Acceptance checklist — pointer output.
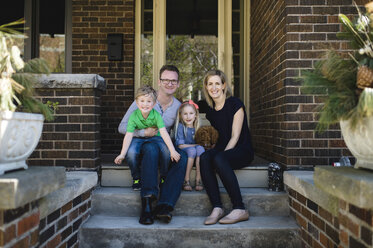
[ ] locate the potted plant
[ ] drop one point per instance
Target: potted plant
(346, 82)
(20, 127)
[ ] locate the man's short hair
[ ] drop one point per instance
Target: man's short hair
(169, 68)
(146, 90)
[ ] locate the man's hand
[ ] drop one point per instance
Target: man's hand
(150, 131)
(175, 156)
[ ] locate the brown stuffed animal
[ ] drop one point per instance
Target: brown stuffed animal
(206, 136)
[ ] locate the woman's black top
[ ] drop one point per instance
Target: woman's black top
(222, 121)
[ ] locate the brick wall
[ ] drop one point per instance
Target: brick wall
(352, 227)
(267, 93)
(73, 138)
(22, 227)
(286, 38)
(19, 227)
(92, 21)
(60, 228)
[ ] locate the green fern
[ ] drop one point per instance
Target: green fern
(334, 78)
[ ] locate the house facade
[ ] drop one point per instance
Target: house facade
(261, 45)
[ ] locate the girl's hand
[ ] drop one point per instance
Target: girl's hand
(175, 156)
(119, 159)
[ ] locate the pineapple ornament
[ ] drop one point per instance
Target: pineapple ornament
(364, 77)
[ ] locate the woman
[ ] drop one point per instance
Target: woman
(232, 151)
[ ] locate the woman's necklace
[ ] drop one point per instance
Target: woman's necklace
(219, 106)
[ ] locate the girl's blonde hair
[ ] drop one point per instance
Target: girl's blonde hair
(227, 91)
(180, 118)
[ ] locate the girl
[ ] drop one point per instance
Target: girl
(187, 125)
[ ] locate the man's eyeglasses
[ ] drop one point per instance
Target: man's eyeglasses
(168, 81)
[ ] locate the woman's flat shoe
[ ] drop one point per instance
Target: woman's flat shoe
(211, 220)
(229, 220)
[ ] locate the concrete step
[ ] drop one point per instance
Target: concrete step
(114, 201)
(255, 175)
(186, 231)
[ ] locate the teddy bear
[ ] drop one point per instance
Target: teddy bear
(206, 136)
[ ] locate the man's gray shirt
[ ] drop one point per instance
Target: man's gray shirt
(168, 116)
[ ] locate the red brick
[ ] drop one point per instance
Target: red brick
(28, 223)
(301, 199)
(301, 221)
(74, 214)
(54, 242)
(306, 213)
(8, 235)
(349, 224)
(66, 207)
(325, 241)
(86, 195)
(34, 237)
(23, 243)
(326, 215)
(318, 222)
(297, 206)
(343, 237)
(316, 244)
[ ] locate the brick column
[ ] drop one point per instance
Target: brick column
(91, 23)
(288, 37)
(73, 139)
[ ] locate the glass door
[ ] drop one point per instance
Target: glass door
(196, 36)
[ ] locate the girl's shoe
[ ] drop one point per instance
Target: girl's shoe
(199, 185)
(186, 186)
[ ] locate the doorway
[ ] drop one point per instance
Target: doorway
(196, 36)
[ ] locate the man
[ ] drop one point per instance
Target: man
(167, 105)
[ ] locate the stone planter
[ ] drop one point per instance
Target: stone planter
(19, 135)
(360, 142)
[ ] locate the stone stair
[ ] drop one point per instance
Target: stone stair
(116, 210)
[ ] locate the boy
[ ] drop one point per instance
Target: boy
(143, 117)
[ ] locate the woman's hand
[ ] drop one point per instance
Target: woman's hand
(119, 159)
(175, 156)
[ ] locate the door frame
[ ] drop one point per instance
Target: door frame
(224, 41)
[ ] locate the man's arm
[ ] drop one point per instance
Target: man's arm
(123, 124)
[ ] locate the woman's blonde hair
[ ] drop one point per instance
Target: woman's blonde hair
(180, 118)
(227, 91)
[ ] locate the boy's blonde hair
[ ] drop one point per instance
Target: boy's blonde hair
(227, 91)
(180, 118)
(146, 90)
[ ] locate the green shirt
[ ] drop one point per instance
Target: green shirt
(137, 121)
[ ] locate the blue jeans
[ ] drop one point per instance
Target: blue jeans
(171, 188)
(133, 155)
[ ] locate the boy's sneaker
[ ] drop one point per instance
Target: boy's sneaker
(161, 182)
(136, 184)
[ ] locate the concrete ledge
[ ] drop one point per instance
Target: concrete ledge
(303, 182)
(71, 81)
(21, 187)
(352, 185)
(77, 182)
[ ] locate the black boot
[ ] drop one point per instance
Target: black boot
(163, 213)
(146, 217)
